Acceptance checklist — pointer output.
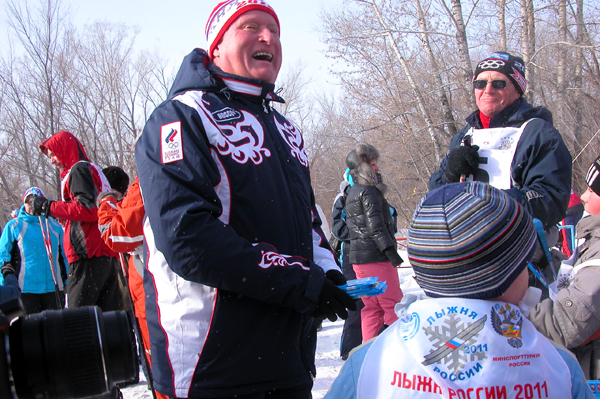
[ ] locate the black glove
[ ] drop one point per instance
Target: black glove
(333, 301)
(336, 277)
(393, 256)
(462, 161)
(8, 268)
(40, 206)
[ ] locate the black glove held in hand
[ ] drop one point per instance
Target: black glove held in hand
(393, 256)
(40, 205)
(336, 277)
(463, 160)
(333, 302)
(8, 269)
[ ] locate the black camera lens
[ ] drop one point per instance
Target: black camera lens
(71, 353)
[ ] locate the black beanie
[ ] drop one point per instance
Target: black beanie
(117, 178)
(510, 65)
(593, 176)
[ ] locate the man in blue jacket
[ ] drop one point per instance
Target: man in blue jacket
(23, 248)
(237, 264)
(510, 144)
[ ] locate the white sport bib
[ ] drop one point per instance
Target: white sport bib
(463, 348)
(497, 148)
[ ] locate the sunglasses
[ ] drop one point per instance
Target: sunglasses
(496, 84)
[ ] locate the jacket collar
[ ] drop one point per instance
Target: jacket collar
(27, 217)
(588, 226)
(197, 72)
(502, 118)
(250, 87)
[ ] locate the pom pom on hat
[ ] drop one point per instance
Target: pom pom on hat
(225, 13)
(592, 177)
(512, 66)
(469, 240)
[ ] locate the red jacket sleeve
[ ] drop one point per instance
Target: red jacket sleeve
(122, 224)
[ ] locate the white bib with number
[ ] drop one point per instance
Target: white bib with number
(497, 148)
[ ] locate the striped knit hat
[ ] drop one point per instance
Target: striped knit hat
(225, 13)
(469, 240)
(593, 176)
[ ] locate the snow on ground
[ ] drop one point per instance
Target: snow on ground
(328, 363)
(327, 360)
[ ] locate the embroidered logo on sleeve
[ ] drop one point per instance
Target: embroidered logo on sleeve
(171, 146)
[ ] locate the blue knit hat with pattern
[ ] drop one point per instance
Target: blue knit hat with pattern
(469, 240)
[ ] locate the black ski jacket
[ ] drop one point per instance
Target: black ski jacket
(235, 254)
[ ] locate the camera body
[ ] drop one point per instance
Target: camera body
(64, 354)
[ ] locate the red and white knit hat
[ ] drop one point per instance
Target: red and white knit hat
(225, 13)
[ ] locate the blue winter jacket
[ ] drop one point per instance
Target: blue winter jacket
(22, 243)
(541, 166)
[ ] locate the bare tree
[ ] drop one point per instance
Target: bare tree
(54, 78)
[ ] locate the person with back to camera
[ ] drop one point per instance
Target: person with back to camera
(237, 265)
(22, 246)
(351, 332)
(373, 248)
(121, 223)
(469, 244)
(573, 317)
(511, 145)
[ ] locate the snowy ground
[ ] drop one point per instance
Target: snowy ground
(328, 359)
(328, 363)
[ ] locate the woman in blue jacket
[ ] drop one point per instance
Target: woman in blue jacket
(22, 245)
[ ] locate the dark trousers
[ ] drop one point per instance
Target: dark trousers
(94, 281)
(298, 392)
(36, 303)
(352, 332)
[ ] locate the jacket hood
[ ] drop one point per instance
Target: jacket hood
(197, 72)
(358, 161)
(588, 227)
(519, 111)
(67, 148)
(27, 217)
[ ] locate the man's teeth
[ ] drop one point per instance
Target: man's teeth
(263, 56)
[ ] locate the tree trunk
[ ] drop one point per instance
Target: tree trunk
(528, 46)
(435, 139)
(578, 165)
(463, 48)
(502, 24)
(449, 122)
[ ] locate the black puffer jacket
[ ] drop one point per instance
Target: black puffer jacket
(371, 226)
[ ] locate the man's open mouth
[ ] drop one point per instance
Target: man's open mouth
(262, 56)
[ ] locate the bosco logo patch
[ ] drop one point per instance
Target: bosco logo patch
(171, 146)
(226, 114)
